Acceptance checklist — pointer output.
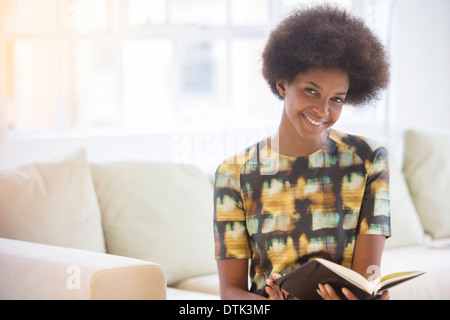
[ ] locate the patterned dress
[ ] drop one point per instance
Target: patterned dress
(282, 211)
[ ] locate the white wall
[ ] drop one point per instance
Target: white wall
(421, 66)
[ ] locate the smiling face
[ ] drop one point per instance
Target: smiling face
(313, 103)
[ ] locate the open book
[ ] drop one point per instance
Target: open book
(303, 281)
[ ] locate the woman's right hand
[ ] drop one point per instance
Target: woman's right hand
(273, 290)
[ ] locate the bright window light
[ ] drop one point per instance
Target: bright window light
(139, 65)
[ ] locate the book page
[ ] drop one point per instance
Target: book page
(396, 275)
(393, 279)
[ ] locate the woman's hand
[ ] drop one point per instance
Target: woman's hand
(328, 293)
(273, 290)
(325, 291)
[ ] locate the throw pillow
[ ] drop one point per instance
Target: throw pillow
(426, 167)
(160, 212)
(52, 203)
(406, 227)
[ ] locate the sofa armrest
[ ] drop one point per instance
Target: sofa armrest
(36, 271)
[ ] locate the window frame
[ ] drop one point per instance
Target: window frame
(118, 32)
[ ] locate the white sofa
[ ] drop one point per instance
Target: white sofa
(71, 229)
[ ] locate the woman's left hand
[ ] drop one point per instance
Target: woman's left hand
(328, 293)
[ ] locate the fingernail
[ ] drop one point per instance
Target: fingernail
(328, 288)
(319, 293)
(345, 291)
(321, 289)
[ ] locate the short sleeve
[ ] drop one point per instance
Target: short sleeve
(375, 210)
(230, 230)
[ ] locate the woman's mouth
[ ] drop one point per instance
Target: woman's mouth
(313, 122)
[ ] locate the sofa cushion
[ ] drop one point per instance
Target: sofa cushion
(433, 259)
(406, 228)
(426, 167)
(207, 284)
(52, 203)
(161, 212)
(179, 294)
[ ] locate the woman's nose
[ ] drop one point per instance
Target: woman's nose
(321, 108)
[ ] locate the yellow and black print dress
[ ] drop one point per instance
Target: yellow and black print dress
(282, 211)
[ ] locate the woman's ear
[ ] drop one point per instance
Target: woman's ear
(281, 87)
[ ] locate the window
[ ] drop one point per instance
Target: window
(71, 65)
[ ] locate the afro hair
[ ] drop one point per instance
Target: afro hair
(327, 37)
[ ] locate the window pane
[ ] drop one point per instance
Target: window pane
(141, 12)
(250, 12)
(93, 101)
(252, 102)
(148, 89)
(31, 84)
(198, 12)
(29, 16)
(86, 15)
(203, 84)
(291, 4)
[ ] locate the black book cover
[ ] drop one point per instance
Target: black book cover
(303, 282)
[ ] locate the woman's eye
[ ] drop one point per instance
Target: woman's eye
(338, 100)
(312, 91)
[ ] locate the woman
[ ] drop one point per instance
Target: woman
(308, 191)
